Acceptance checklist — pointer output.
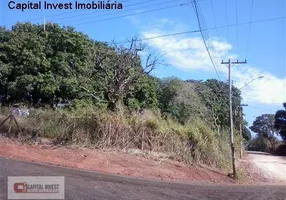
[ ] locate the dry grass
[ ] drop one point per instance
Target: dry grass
(192, 143)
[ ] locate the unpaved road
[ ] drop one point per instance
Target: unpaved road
(273, 166)
(84, 185)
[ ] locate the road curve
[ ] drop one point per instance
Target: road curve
(84, 185)
(273, 166)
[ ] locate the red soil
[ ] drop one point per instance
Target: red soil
(110, 162)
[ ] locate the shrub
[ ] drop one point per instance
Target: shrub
(259, 144)
(280, 150)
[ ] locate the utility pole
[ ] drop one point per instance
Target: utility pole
(241, 126)
(229, 64)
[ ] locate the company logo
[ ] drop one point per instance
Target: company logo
(20, 187)
(36, 187)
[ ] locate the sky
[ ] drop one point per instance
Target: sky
(237, 29)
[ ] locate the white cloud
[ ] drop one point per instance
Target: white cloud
(188, 53)
(268, 90)
(165, 23)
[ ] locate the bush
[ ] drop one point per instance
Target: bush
(206, 147)
(280, 150)
(259, 144)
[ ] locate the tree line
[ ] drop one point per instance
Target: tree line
(268, 127)
(64, 65)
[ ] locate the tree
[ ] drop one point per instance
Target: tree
(42, 65)
(169, 90)
(63, 64)
(246, 134)
(280, 123)
(180, 100)
(120, 69)
(214, 95)
(259, 144)
(144, 94)
(187, 105)
(264, 127)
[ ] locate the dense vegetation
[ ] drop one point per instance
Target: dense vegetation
(280, 122)
(265, 126)
(61, 64)
(112, 82)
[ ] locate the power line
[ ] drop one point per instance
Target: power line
(213, 28)
(76, 11)
(107, 14)
(230, 25)
(160, 36)
(252, 22)
(96, 14)
(199, 23)
(249, 28)
(204, 28)
(214, 15)
(138, 13)
(203, 22)
(93, 12)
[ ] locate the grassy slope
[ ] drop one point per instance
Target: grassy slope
(192, 143)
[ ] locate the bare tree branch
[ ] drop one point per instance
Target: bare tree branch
(91, 94)
(122, 69)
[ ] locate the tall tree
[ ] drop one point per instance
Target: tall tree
(145, 94)
(214, 95)
(246, 134)
(121, 69)
(264, 127)
(42, 65)
(280, 123)
(180, 100)
(61, 63)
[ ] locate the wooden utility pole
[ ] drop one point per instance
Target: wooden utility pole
(229, 64)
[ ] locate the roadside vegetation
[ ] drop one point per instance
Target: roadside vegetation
(111, 98)
(267, 138)
(102, 129)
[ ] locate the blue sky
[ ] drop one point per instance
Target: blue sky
(261, 42)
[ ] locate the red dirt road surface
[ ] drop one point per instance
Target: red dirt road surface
(118, 162)
(111, 162)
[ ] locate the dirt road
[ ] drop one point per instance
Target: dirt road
(272, 166)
